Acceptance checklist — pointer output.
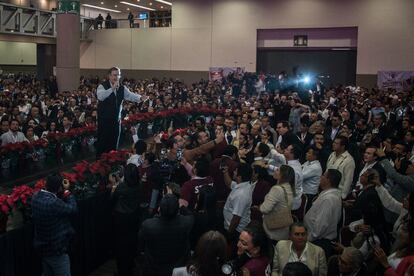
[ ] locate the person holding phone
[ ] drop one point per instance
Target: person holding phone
(111, 94)
(51, 210)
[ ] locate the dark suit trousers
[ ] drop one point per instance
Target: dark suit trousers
(109, 131)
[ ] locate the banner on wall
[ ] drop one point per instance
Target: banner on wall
(217, 73)
(398, 80)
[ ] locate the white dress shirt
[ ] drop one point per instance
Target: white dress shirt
(312, 172)
(103, 93)
(345, 164)
(9, 137)
(297, 167)
(238, 203)
(293, 256)
(323, 217)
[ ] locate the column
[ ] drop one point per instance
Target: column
(68, 45)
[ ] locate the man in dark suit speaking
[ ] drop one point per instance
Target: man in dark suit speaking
(111, 93)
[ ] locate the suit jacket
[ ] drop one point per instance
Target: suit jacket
(315, 258)
(327, 134)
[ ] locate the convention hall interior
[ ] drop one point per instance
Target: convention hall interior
(206, 137)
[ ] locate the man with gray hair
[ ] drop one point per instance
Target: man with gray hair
(350, 262)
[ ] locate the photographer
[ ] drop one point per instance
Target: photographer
(126, 193)
(251, 254)
(53, 230)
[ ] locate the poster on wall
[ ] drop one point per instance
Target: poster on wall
(217, 73)
(398, 80)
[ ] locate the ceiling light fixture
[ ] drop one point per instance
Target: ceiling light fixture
(162, 7)
(99, 8)
(137, 6)
(164, 2)
(150, 4)
(116, 6)
(102, 3)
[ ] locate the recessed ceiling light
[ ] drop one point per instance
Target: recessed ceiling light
(137, 6)
(116, 6)
(162, 7)
(102, 3)
(164, 2)
(150, 3)
(127, 9)
(100, 8)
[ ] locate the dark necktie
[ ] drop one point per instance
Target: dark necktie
(229, 138)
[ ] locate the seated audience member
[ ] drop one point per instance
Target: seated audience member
(30, 135)
(312, 172)
(165, 239)
(127, 196)
(296, 269)
(252, 251)
(236, 211)
(209, 256)
(298, 249)
(403, 255)
(350, 262)
(341, 160)
(323, 217)
(277, 199)
(14, 135)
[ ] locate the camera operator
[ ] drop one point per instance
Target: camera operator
(251, 254)
(53, 230)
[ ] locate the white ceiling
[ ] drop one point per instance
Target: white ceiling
(116, 5)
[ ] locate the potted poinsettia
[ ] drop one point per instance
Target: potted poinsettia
(6, 206)
(20, 198)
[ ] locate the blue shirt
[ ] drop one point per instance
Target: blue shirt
(51, 221)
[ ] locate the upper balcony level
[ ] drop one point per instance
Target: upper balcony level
(30, 21)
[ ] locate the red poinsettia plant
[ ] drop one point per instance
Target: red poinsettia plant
(21, 196)
(6, 205)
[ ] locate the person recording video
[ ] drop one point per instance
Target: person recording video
(251, 254)
(111, 94)
(51, 209)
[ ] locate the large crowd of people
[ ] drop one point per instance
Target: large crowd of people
(286, 181)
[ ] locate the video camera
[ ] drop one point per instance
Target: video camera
(233, 267)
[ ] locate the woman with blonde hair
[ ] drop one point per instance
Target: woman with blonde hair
(277, 205)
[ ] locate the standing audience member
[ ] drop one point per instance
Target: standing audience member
(296, 269)
(165, 239)
(236, 211)
(323, 217)
(253, 243)
(350, 262)
(51, 209)
(209, 256)
(127, 195)
(276, 202)
(312, 172)
(341, 160)
(298, 249)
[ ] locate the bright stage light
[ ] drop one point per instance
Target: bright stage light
(306, 80)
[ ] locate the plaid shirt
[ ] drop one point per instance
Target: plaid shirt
(51, 220)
